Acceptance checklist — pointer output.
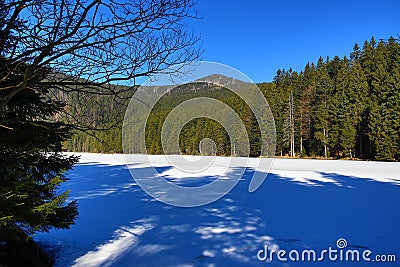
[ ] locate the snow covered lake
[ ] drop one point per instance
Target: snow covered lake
(302, 205)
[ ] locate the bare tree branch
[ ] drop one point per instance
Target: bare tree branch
(92, 46)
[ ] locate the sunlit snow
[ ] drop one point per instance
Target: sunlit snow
(303, 204)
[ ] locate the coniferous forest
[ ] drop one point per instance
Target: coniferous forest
(335, 108)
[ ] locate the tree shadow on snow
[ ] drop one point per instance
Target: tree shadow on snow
(119, 224)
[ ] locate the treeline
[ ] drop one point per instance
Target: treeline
(191, 134)
(342, 108)
(198, 129)
(97, 120)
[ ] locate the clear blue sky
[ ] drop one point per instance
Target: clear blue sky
(260, 37)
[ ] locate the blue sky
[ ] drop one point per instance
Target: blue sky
(260, 37)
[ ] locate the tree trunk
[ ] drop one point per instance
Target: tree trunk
(325, 146)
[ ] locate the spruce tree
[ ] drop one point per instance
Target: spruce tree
(324, 87)
(384, 106)
(339, 109)
(32, 166)
(394, 97)
(358, 95)
(306, 103)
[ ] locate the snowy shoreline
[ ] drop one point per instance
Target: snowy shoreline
(301, 170)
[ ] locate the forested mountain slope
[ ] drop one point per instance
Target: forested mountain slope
(342, 107)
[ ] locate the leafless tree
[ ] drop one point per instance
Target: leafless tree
(92, 46)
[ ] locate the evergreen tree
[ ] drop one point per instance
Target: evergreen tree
(358, 97)
(393, 99)
(32, 166)
(384, 107)
(346, 109)
(324, 87)
(306, 103)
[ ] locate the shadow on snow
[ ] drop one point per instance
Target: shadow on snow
(120, 225)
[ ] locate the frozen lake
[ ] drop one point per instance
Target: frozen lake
(302, 205)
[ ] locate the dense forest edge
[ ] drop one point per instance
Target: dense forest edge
(336, 108)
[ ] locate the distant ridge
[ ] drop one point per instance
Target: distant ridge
(221, 79)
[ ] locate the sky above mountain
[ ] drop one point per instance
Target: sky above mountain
(260, 37)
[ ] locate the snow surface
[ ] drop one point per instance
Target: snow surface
(303, 204)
